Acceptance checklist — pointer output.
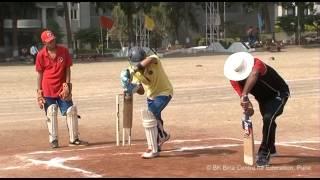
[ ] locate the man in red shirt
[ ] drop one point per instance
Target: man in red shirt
(54, 88)
(250, 75)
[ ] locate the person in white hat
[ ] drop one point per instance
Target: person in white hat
(250, 75)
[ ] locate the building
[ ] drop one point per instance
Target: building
(82, 15)
(293, 11)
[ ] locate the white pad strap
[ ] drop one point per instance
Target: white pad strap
(52, 122)
(150, 124)
(72, 123)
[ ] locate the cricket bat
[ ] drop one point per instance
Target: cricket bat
(127, 116)
(248, 140)
(127, 110)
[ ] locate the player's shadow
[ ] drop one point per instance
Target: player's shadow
(176, 152)
(299, 160)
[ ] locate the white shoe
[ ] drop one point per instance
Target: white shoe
(78, 142)
(149, 154)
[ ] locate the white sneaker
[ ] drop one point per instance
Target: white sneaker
(149, 154)
(78, 142)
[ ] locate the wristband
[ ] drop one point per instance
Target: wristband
(245, 97)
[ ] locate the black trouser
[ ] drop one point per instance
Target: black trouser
(34, 58)
(270, 110)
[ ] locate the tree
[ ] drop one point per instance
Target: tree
(120, 25)
(297, 21)
(129, 9)
(287, 24)
(178, 12)
(14, 11)
(262, 9)
(314, 21)
(90, 35)
(56, 29)
(4, 10)
(14, 17)
(161, 25)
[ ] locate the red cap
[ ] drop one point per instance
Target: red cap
(47, 36)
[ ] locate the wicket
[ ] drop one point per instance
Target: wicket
(126, 117)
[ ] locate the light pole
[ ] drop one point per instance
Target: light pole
(224, 21)
(293, 27)
(299, 28)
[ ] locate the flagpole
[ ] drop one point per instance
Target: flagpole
(148, 38)
(101, 38)
(107, 39)
(224, 20)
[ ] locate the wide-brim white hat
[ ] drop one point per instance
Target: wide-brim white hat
(238, 66)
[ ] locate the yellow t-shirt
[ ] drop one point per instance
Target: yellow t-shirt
(154, 79)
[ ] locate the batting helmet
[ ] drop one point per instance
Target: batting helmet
(136, 54)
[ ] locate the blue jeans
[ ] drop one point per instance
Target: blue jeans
(63, 105)
(251, 40)
(157, 105)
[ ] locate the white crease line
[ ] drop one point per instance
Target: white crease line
(15, 167)
(177, 141)
(182, 149)
(68, 150)
(299, 142)
(299, 146)
(203, 147)
(117, 154)
(190, 148)
(205, 139)
(291, 143)
(57, 162)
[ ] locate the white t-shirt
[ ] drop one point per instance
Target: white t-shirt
(33, 50)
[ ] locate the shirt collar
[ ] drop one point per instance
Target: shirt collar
(46, 51)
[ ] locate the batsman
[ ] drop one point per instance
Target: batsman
(54, 89)
(251, 75)
(146, 74)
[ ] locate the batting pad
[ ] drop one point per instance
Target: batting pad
(52, 122)
(72, 123)
(150, 125)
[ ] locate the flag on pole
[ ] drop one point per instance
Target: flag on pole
(148, 23)
(105, 22)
